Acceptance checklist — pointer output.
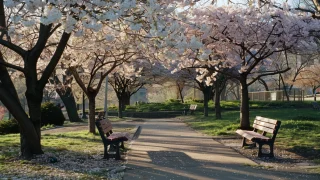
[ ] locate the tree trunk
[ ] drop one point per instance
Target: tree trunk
(179, 91)
(30, 139)
(217, 103)
(70, 103)
(223, 95)
(92, 112)
(244, 107)
(125, 101)
(34, 103)
(120, 115)
(284, 88)
(30, 134)
(314, 94)
(206, 97)
(238, 92)
(181, 97)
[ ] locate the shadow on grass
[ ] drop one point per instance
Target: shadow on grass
(306, 152)
(77, 157)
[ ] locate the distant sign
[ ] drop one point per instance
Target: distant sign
(273, 96)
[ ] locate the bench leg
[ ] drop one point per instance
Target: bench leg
(271, 150)
(260, 154)
(117, 151)
(122, 144)
(244, 143)
(105, 155)
(260, 150)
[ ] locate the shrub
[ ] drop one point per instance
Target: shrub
(9, 126)
(51, 114)
(176, 101)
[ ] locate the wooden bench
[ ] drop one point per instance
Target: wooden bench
(264, 126)
(315, 105)
(113, 140)
(192, 108)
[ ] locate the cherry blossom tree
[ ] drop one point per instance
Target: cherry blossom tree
(247, 40)
(127, 79)
(30, 27)
(90, 64)
(182, 79)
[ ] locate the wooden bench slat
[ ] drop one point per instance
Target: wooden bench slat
(106, 126)
(193, 107)
(271, 121)
(252, 135)
(265, 124)
(265, 129)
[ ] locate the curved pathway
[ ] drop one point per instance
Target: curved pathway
(168, 149)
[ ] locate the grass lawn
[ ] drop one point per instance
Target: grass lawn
(79, 156)
(299, 131)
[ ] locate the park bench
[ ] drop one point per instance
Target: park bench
(315, 105)
(261, 125)
(113, 140)
(192, 108)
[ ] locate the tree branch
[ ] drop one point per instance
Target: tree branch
(18, 68)
(54, 60)
(13, 47)
(268, 74)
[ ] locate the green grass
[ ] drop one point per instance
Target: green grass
(78, 148)
(175, 105)
(299, 131)
(49, 126)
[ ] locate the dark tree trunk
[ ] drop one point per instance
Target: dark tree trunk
(244, 107)
(206, 94)
(30, 139)
(120, 113)
(34, 99)
(314, 94)
(68, 100)
(217, 103)
(238, 92)
(284, 88)
(181, 96)
(223, 94)
(125, 100)
(179, 91)
(92, 112)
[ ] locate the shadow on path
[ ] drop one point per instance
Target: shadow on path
(168, 149)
